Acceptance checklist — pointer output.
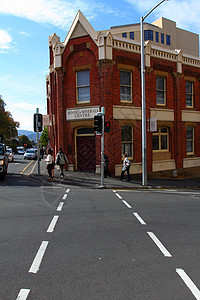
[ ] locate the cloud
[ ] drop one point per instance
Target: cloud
(26, 106)
(25, 33)
(59, 13)
(185, 13)
(6, 41)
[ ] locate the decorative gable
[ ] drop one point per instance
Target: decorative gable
(79, 31)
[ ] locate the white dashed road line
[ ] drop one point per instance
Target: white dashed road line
(38, 258)
(120, 197)
(60, 206)
(159, 244)
(139, 218)
(64, 197)
(52, 224)
(127, 204)
(195, 291)
(23, 294)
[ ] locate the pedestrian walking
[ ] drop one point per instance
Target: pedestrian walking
(106, 163)
(126, 167)
(61, 159)
(50, 164)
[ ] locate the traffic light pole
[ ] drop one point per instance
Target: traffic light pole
(102, 146)
(38, 146)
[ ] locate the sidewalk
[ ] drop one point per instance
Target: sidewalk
(93, 181)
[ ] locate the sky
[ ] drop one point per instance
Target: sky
(25, 27)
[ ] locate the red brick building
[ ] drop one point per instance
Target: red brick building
(91, 69)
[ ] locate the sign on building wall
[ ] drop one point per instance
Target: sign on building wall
(81, 113)
(45, 120)
(152, 124)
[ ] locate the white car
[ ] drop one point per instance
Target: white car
(30, 154)
(10, 154)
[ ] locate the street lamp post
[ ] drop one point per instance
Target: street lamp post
(144, 143)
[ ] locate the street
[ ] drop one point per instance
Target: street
(65, 243)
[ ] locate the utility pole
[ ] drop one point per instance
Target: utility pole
(102, 145)
(38, 146)
(144, 130)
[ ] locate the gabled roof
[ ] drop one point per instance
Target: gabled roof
(80, 27)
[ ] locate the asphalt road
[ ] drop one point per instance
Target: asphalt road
(61, 243)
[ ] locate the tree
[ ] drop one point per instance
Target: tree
(8, 127)
(44, 137)
(25, 142)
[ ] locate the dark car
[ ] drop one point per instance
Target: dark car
(3, 161)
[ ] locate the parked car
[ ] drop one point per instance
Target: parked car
(30, 154)
(10, 154)
(3, 161)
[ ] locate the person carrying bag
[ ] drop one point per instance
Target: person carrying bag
(50, 164)
(61, 159)
(126, 167)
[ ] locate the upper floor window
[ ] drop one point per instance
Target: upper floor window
(190, 140)
(132, 35)
(161, 139)
(127, 140)
(189, 94)
(148, 35)
(83, 86)
(168, 40)
(160, 90)
(125, 86)
(124, 35)
(162, 38)
(157, 37)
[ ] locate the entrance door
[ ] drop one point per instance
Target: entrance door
(86, 157)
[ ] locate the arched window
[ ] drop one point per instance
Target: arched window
(127, 141)
(161, 140)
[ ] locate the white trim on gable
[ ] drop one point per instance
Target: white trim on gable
(86, 25)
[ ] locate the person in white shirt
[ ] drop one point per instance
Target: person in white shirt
(126, 167)
(50, 164)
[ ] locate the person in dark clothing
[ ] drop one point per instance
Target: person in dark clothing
(106, 163)
(61, 159)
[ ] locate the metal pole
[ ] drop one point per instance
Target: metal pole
(38, 146)
(144, 139)
(144, 146)
(102, 146)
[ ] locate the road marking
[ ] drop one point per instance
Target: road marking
(195, 291)
(159, 244)
(120, 197)
(50, 187)
(60, 206)
(139, 219)
(38, 258)
(67, 191)
(64, 197)
(26, 167)
(53, 224)
(127, 204)
(114, 191)
(23, 294)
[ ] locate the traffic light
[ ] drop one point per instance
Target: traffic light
(98, 123)
(39, 124)
(107, 127)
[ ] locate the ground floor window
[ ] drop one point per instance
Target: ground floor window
(190, 140)
(127, 141)
(161, 139)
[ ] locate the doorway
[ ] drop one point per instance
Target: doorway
(86, 154)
